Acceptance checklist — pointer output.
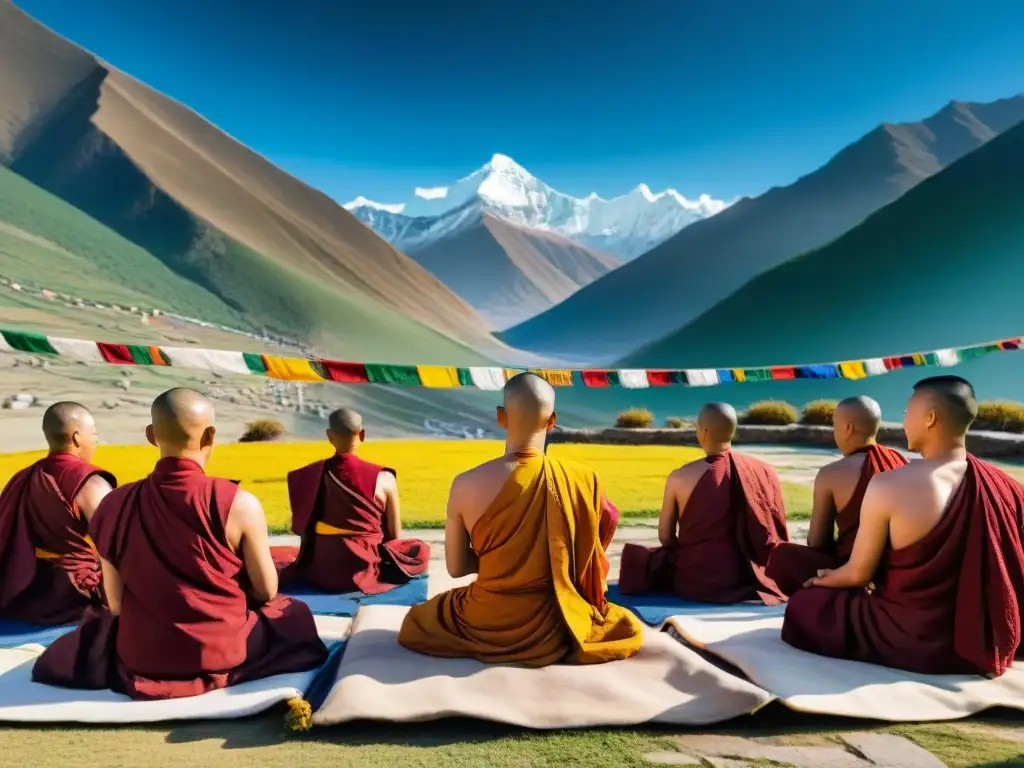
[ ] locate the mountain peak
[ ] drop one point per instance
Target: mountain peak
(499, 163)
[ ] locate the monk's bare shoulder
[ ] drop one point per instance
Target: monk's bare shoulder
(842, 468)
(246, 508)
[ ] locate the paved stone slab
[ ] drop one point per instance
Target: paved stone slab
(671, 758)
(872, 749)
(891, 751)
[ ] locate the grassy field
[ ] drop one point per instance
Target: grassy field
(633, 476)
(989, 741)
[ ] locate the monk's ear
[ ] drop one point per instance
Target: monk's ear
(208, 434)
(362, 435)
(150, 434)
(76, 439)
(502, 417)
(552, 421)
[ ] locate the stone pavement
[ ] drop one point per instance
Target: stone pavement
(851, 750)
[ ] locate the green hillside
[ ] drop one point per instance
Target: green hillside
(73, 253)
(942, 266)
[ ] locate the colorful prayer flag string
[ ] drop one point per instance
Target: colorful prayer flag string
(301, 369)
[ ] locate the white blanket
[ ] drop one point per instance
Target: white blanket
(23, 701)
(664, 683)
(815, 684)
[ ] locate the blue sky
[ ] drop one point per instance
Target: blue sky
(727, 97)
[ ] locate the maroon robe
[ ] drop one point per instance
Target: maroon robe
(609, 522)
(341, 493)
(946, 604)
(186, 624)
(791, 565)
(49, 570)
(732, 520)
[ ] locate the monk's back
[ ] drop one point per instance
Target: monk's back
(844, 476)
(918, 495)
(539, 594)
(182, 600)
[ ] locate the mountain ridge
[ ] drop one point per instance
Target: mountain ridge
(507, 272)
(623, 226)
(212, 209)
(702, 264)
(970, 213)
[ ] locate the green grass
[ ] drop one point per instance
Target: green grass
(103, 266)
(262, 741)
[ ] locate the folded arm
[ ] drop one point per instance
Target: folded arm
(458, 551)
(868, 547)
(823, 515)
(247, 526)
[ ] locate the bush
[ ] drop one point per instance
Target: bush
(262, 431)
(819, 413)
(770, 412)
(635, 418)
(1000, 416)
(674, 422)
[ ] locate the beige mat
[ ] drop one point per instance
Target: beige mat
(817, 684)
(665, 682)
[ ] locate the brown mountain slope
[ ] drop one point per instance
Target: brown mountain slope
(510, 273)
(683, 277)
(214, 211)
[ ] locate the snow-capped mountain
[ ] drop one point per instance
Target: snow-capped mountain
(625, 226)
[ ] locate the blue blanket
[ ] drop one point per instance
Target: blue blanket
(346, 603)
(15, 633)
(656, 609)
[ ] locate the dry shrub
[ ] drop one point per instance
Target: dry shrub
(674, 422)
(1000, 416)
(819, 413)
(262, 431)
(635, 418)
(770, 412)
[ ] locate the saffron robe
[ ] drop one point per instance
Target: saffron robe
(49, 571)
(947, 604)
(733, 519)
(186, 624)
(344, 546)
(539, 596)
(791, 565)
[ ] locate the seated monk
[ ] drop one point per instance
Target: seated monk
(529, 527)
(49, 570)
(190, 583)
(838, 486)
(346, 511)
(936, 576)
(720, 518)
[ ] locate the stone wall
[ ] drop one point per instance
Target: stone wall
(994, 445)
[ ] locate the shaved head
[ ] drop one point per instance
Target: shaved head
(529, 402)
(953, 399)
(719, 419)
(863, 412)
(345, 422)
(62, 421)
(182, 420)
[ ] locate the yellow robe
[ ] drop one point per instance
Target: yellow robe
(539, 597)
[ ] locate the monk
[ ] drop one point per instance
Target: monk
(936, 576)
(529, 527)
(49, 571)
(190, 583)
(838, 486)
(346, 511)
(720, 518)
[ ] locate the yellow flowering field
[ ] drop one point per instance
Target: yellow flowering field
(633, 476)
